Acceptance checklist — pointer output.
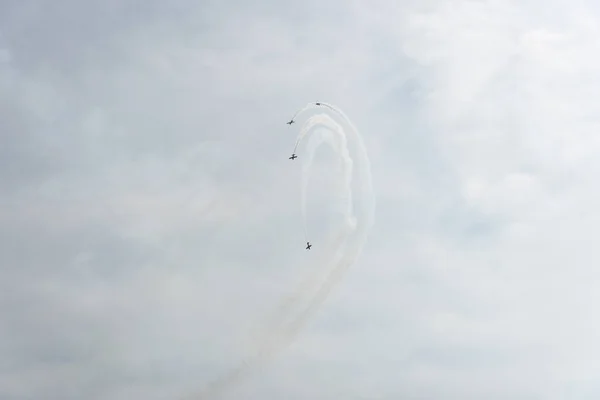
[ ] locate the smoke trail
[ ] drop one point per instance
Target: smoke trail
(339, 144)
(342, 249)
(335, 254)
(309, 106)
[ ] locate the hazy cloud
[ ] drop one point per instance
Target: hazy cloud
(149, 217)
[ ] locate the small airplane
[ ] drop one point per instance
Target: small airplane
(308, 245)
(292, 157)
(291, 122)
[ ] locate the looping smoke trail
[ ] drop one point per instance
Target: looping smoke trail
(334, 255)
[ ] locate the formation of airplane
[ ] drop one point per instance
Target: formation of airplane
(293, 157)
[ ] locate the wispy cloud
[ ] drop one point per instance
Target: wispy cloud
(149, 218)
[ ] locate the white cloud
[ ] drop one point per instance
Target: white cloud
(149, 217)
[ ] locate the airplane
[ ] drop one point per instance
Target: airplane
(292, 157)
(308, 245)
(291, 122)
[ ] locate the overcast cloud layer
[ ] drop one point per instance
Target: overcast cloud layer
(149, 217)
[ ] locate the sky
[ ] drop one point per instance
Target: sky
(150, 220)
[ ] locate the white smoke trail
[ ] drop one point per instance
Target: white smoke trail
(338, 143)
(344, 247)
(309, 106)
(335, 254)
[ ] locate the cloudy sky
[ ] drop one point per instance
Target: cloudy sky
(149, 217)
